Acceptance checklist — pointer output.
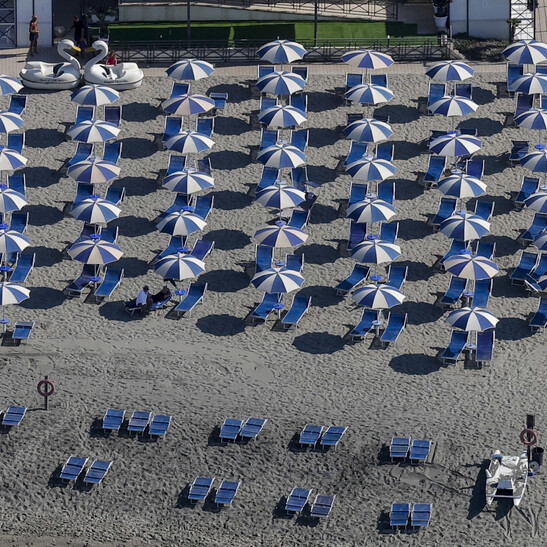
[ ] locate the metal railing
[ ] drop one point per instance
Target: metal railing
(326, 51)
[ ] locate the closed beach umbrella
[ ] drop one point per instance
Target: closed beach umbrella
(189, 142)
(179, 266)
(537, 202)
(472, 319)
(369, 94)
(9, 85)
(531, 84)
(190, 69)
(12, 241)
(93, 171)
(281, 51)
(188, 181)
(9, 121)
(470, 266)
(280, 236)
(181, 223)
(462, 186)
(10, 160)
(95, 251)
(280, 196)
(526, 52)
(188, 105)
(368, 130)
(10, 200)
(11, 293)
(281, 83)
(95, 95)
(378, 297)
(367, 58)
(454, 144)
(450, 71)
(536, 161)
(282, 155)
(95, 210)
(277, 280)
(282, 115)
(465, 226)
(371, 168)
(370, 210)
(540, 241)
(93, 131)
(375, 251)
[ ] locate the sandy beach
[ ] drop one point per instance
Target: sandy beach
(213, 365)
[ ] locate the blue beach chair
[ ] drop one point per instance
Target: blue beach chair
(357, 234)
(265, 308)
(302, 71)
(300, 101)
(175, 164)
(299, 139)
(297, 500)
(295, 262)
(435, 170)
(178, 89)
(399, 448)
(356, 151)
(436, 91)
(421, 515)
(264, 257)
(455, 290)
(84, 190)
(353, 79)
(17, 104)
(385, 151)
(180, 201)
(202, 249)
(19, 222)
(456, 248)
(111, 281)
(204, 205)
(192, 299)
(113, 114)
(395, 325)
(484, 209)
(13, 416)
(475, 168)
(23, 267)
(72, 469)
(230, 429)
(386, 192)
(300, 306)
(16, 141)
(524, 103)
(309, 436)
(97, 472)
(514, 72)
(267, 102)
(252, 427)
(115, 195)
(539, 224)
(539, 319)
(529, 186)
(112, 151)
(540, 269)
(358, 192)
(264, 70)
(268, 137)
(419, 450)
(113, 419)
(447, 206)
(175, 243)
(299, 218)
(84, 114)
(357, 276)
(527, 262)
(200, 488)
(205, 126)
(332, 436)
(83, 151)
(485, 346)
(365, 326)
(519, 149)
(464, 90)
(486, 249)
(455, 348)
(84, 280)
(227, 492)
(172, 126)
(220, 101)
(481, 296)
(159, 425)
(22, 331)
(379, 79)
(322, 506)
(396, 275)
(138, 422)
(399, 515)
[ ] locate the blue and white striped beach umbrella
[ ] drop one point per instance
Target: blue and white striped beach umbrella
(281, 116)
(277, 280)
(11, 293)
(464, 226)
(540, 241)
(10, 200)
(535, 118)
(93, 171)
(462, 186)
(526, 52)
(95, 95)
(367, 58)
(179, 266)
(281, 83)
(189, 142)
(280, 196)
(454, 144)
(188, 105)
(368, 130)
(280, 236)
(470, 266)
(281, 51)
(450, 71)
(95, 251)
(369, 94)
(531, 84)
(181, 223)
(9, 85)
(378, 297)
(370, 210)
(95, 210)
(370, 168)
(536, 161)
(537, 202)
(375, 251)
(9, 121)
(11, 160)
(93, 131)
(188, 181)
(190, 69)
(453, 106)
(12, 241)
(282, 155)
(472, 319)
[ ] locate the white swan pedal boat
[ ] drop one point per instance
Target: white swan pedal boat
(506, 477)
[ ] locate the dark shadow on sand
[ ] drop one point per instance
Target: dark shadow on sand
(230, 200)
(132, 226)
(514, 328)
(317, 253)
(415, 364)
(140, 112)
(478, 497)
(43, 138)
(225, 280)
(237, 93)
(227, 240)
(231, 126)
(220, 325)
(321, 296)
(137, 148)
(43, 215)
(45, 256)
(322, 136)
(133, 267)
(40, 177)
(137, 186)
(317, 343)
(229, 159)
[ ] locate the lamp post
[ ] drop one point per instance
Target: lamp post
(188, 24)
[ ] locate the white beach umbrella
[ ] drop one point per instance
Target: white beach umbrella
(536, 161)
(10, 160)
(12, 241)
(281, 83)
(93, 170)
(450, 71)
(95, 251)
(370, 210)
(540, 241)
(282, 155)
(9, 121)
(95, 95)
(10, 200)
(280, 236)
(92, 131)
(368, 130)
(537, 202)
(375, 251)
(281, 116)
(9, 85)
(370, 167)
(179, 266)
(11, 293)
(526, 52)
(461, 185)
(277, 280)
(281, 51)
(454, 144)
(188, 105)
(369, 94)
(190, 69)
(464, 226)
(378, 297)
(367, 58)
(452, 106)
(535, 118)
(95, 210)
(188, 181)
(181, 223)
(189, 142)
(280, 196)
(472, 319)
(531, 84)
(469, 266)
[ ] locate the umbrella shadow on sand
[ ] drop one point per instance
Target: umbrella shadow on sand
(513, 328)
(133, 267)
(132, 226)
(43, 215)
(231, 126)
(415, 364)
(230, 159)
(43, 138)
(228, 240)
(322, 297)
(136, 148)
(220, 325)
(137, 186)
(237, 93)
(43, 298)
(139, 112)
(230, 200)
(45, 256)
(399, 113)
(225, 280)
(319, 101)
(40, 177)
(318, 343)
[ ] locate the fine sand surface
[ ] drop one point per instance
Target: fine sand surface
(214, 365)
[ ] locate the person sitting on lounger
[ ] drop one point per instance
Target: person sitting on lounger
(144, 299)
(162, 295)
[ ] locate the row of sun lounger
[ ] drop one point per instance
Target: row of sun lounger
(84, 150)
(456, 292)
(415, 450)
(74, 467)
(232, 429)
(325, 436)
(396, 323)
(437, 168)
(531, 267)
(201, 488)
(459, 344)
(299, 497)
(112, 114)
(264, 70)
(401, 515)
(448, 206)
(138, 422)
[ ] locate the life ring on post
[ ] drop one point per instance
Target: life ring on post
(46, 388)
(528, 437)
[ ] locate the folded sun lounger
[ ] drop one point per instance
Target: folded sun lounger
(399, 515)
(113, 419)
(159, 425)
(97, 472)
(310, 435)
(322, 506)
(22, 330)
(200, 488)
(539, 319)
(72, 468)
(300, 306)
(252, 427)
(230, 429)
(332, 436)
(297, 500)
(227, 492)
(399, 448)
(421, 515)
(419, 450)
(13, 416)
(139, 421)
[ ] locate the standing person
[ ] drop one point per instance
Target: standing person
(33, 34)
(78, 27)
(112, 58)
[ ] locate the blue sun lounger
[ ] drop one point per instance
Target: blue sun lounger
(97, 472)
(230, 429)
(178, 89)
(204, 204)
(192, 299)
(538, 225)
(72, 468)
(365, 326)
(399, 448)
(464, 90)
(485, 346)
(176, 163)
(297, 500)
(539, 319)
(138, 422)
(302, 71)
(16, 141)
(357, 234)
(83, 151)
(514, 72)
(180, 201)
(202, 249)
(421, 515)
(455, 348)
(483, 289)
(486, 249)
(386, 192)
(300, 101)
(111, 281)
(205, 126)
(200, 488)
(399, 515)
(436, 92)
(113, 114)
(159, 425)
(115, 195)
(519, 149)
(110, 234)
(22, 330)
(264, 257)
(299, 177)
(358, 192)
(13, 416)
(353, 79)
(475, 168)
(175, 242)
(19, 222)
(435, 170)
(528, 187)
(252, 427)
(300, 139)
(385, 151)
(268, 137)
(322, 506)
(295, 262)
(112, 151)
(113, 419)
(309, 436)
(447, 206)
(524, 103)
(227, 492)
(299, 218)
(23, 267)
(528, 261)
(419, 450)
(540, 269)
(84, 280)
(484, 209)
(267, 102)
(267, 306)
(396, 275)
(220, 101)
(356, 151)
(395, 325)
(300, 306)
(17, 104)
(332, 436)
(172, 126)
(264, 70)
(267, 178)
(357, 276)
(84, 190)
(455, 290)
(389, 231)
(84, 114)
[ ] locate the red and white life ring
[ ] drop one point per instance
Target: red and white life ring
(528, 437)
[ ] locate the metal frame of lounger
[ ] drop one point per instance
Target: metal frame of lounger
(310, 435)
(113, 419)
(252, 427)
(200, 488)
(229, 430)
(159, 425)
(297, 500)
(13, 416)
(97, 472)
(139, 422)
(322, 506)
(399, 448)
(226, 492)
(332, 436)
(72, 468)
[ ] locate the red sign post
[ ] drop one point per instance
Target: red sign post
(46, 388)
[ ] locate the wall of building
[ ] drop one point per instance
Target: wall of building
(487, 18)
(44, 11)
